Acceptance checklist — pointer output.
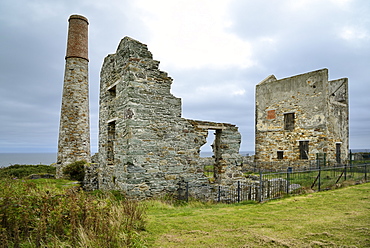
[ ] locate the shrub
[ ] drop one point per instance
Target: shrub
(75, 171)
(21, 171)
(32, 216)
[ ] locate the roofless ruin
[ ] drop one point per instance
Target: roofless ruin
(145, 147)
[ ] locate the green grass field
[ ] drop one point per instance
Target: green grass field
(336, 218)
(51, 213)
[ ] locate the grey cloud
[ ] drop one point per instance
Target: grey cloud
(34, 41)
(311, 40)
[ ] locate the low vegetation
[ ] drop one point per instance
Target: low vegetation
(22, 171)
(43, 213)
(56, 213)
(336, 218)
(75, 171)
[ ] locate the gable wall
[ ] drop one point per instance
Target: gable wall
(307, 96)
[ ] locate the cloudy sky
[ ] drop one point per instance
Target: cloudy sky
(215, 50)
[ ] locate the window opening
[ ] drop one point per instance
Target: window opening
(338, 154)
(303, 149)
(206, 149)
(289, 121)
(111, 139)
(280, 154)
(212, 149)
(112, 91)
(216, 144)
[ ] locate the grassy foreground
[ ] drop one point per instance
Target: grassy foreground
(337, 218)
(57, 213)
(53, 213)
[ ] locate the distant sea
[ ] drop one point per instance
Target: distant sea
(210, 154)
(7, 159)
(359, 150)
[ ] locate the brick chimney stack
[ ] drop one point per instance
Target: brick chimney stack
(74, 129)
(77, 45)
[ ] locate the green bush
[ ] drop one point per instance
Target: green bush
(21, 171)
(33, 216)
(75, 171)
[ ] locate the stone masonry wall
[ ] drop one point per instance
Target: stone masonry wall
(308, 97)
(338, 118)
(227, 160)
(145, 147)
(74, 133)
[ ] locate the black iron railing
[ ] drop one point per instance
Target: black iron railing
(265, 186)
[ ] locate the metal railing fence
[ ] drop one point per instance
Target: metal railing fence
(265, 186)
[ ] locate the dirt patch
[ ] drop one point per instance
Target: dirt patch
(321, 234)
(172, 238)
(197, 232)
(322, 243)
(266, 241)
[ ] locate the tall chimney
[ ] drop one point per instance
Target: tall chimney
(74, 129)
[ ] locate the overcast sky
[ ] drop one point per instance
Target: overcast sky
(215, 50)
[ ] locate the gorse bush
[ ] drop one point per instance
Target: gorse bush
(75, 171)
(21, 171)
(31, 216)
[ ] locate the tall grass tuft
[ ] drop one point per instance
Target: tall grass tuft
(31, 216)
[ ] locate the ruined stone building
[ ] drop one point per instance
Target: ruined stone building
(145, 146)
(301, 116)
(74, 130)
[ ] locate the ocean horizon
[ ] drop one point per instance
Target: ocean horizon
(7, 159)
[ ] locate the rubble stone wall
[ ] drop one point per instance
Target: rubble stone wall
(320, 110)
(145, 147)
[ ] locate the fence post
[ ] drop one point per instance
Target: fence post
(365, 173)
(187, 191)
(260, 190)
(289, 170)
(351, 161)
(345, 172)
(319, 179)
(219, 194)
(238, 191)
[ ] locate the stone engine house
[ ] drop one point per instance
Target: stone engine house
(145, 147)
(301, 116)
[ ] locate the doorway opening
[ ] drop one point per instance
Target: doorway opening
(111, 139)
(212, 154)
(206, 150)
(338, 152)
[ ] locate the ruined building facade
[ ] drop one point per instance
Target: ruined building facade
(145, 147)
(301, 116)
(74, 130)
